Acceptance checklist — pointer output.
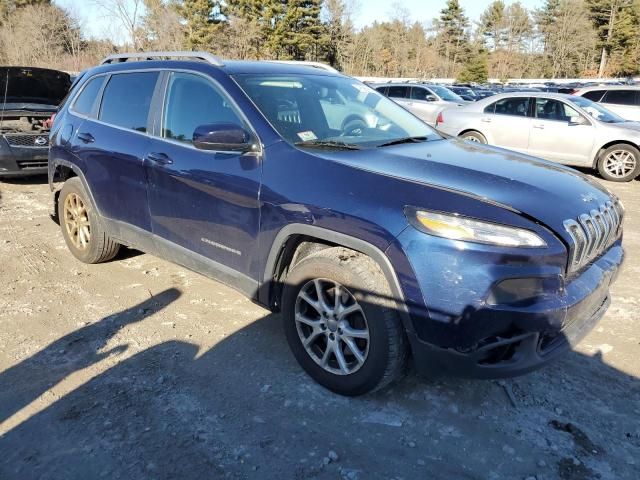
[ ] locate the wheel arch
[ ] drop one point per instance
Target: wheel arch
(284, 253)
(62, 170)
(467, 130)
(601, 150)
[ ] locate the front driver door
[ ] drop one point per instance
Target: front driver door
(560, 133)
(204, 201)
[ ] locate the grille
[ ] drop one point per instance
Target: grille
(592, 233)
(27, 164)
(35, 140)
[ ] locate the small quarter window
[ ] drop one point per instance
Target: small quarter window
(87, 98)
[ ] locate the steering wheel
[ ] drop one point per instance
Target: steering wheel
(353, 128)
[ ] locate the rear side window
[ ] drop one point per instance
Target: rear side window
(594, 95)
(87, 98)
(517, 106)
(193, 101)
(382, 90)
(127, 98)
(398, 92)
(620, 97)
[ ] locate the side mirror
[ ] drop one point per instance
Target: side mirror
(228, 137)
(579, 120)
(431, 98)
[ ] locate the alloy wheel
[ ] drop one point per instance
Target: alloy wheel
(76, 220)
(620, 163)
(332, 326)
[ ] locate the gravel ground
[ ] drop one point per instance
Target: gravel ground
(138, 368)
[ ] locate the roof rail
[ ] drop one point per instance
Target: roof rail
(123, 57)
(319, 65)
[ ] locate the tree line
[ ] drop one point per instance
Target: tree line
(563, 38)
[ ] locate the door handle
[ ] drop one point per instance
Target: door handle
(539, 125)
(485, 120)
(159, 158)
(86, 137)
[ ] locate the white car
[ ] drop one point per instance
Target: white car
(561, 128)
(425, 101)
(623, 100)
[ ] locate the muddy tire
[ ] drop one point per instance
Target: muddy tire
(341, 324)
(81, 225)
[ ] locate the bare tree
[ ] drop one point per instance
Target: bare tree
(128, 13)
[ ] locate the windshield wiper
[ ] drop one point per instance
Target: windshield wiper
(398, 141)
(328, 144)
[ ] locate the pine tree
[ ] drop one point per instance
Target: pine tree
(476, 69)
(453, 35)
(204, 22)
(492, 24)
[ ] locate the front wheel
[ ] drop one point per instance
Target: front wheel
(474, 136)
(619, 163)
(340, 323)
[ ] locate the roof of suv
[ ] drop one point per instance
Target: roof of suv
(231, 67)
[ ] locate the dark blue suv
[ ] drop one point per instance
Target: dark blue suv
(378, 239)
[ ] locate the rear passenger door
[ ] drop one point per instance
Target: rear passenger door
(506, 123)
(112, 142)
(202, 202)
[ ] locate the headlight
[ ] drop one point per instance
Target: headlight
(467, 229)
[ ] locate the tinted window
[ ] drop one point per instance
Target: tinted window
(398, 92)
(548, 109)
(193, 101)
(594, 95)
(620, 97)
(382, 90)
(127, 98)
(420, 93)
(85, 101)
(518, 106)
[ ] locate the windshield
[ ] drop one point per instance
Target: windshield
(330, 110)
(445, 94)
(596, 111)
(35, 86)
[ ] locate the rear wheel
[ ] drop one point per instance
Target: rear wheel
(619, 163)
(474, 136)
(340, 323)
(81, 225)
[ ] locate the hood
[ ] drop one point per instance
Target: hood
(546, 191)
(634, 126)
(27, 88)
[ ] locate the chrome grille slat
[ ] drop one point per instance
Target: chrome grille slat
(593, 233)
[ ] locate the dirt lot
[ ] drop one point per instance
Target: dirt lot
(141, 369)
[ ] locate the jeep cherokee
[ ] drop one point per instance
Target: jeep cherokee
(379, 240)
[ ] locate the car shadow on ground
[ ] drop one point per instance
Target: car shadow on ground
(244, 409)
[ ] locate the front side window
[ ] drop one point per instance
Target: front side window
(192, 101)
(548, 109)
(515, 106)
(620, 97)
(294, 105)
(420, 93)
(85, 101)
(398, 91)
(127, 98)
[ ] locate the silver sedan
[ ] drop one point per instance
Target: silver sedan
(561, 128)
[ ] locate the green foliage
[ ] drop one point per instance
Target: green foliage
(452, 28)
(204, 20)
(476, 68)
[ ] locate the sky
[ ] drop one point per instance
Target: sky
(97, 25)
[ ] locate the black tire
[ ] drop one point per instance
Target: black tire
(100, 247)
(474, 136)
(605, 167)
(388, 345)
